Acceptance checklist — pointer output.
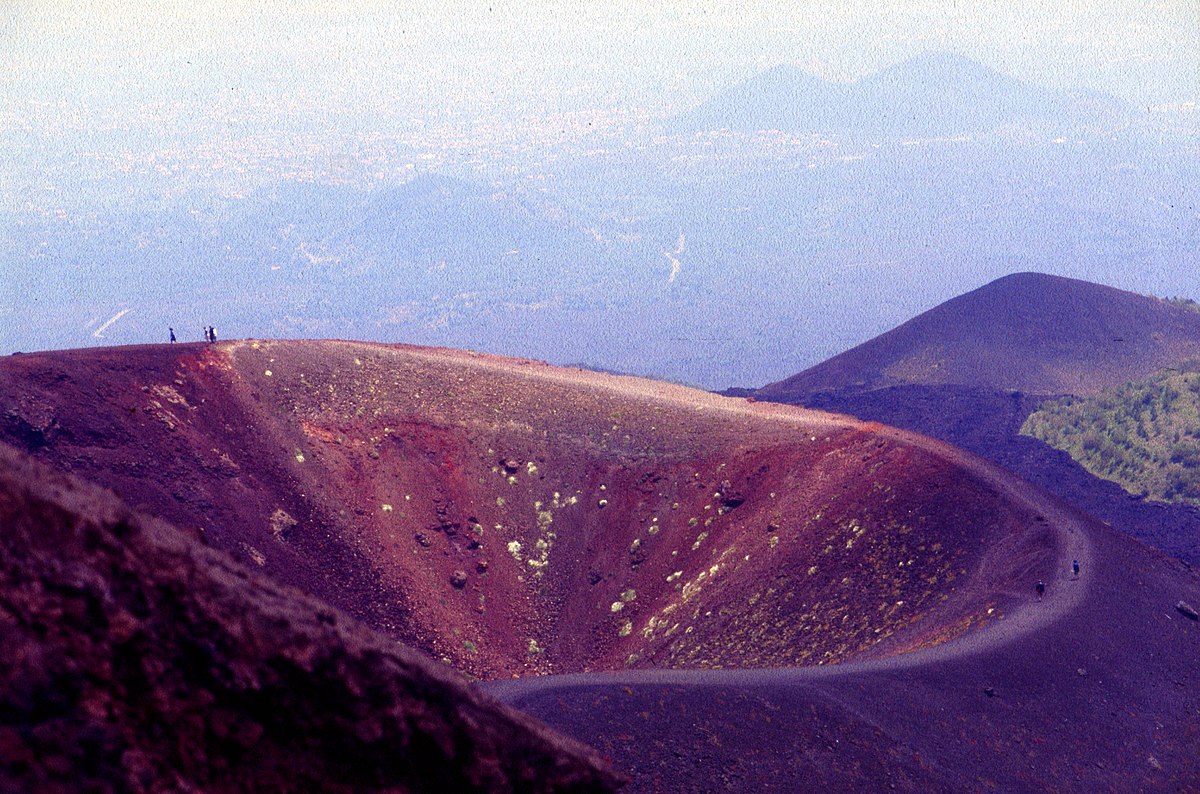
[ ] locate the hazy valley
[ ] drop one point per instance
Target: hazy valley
(620, 233)
(403, 524)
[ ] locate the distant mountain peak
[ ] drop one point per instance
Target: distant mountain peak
(936, 93)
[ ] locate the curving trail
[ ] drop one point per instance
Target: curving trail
(1054, 697)
(1064, 595)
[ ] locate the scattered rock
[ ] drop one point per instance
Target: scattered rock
(459, 579)
(422, 538)
(730, 502)
(510, 465)
(1187, 610)
(282, 525)
(1154, 762)
(989, 691)
(481, 566)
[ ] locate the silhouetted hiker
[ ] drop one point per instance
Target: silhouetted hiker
(1041, 588)
(206, 339)
(172, 330)
(212, 334)
(1075, 567)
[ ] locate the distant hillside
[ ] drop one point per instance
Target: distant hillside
(1144, 435)
(934, 94)
(1028, 332)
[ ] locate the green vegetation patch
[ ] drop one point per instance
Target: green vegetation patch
(1144, 436)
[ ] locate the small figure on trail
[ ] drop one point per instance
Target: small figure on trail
(172, 331)
(206, 339)
(212, 334)
(1075, 567)
(1041, 588)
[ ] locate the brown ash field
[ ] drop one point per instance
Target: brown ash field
(712, 592)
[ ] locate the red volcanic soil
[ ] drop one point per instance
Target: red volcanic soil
(513, 519)
(519, 519)
(137, 660)
(1029, 332)
(1092, 689)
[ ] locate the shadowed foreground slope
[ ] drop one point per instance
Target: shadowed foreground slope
(137, 660)
(514, 518)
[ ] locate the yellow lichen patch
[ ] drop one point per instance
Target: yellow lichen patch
(169, 394)
(254, 554)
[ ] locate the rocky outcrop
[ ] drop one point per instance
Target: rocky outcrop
(136, 659)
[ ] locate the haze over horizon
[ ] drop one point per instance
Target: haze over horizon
(661, 57)
(179, 164)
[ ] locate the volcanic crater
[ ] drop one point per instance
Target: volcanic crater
(516, 519)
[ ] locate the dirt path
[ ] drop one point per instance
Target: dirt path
(1064, 594)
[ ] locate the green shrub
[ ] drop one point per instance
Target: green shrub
(1144, 435)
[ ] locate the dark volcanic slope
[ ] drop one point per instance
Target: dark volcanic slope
(136, 660)
(1027, 332)
(1106, 698)
(513, 518)
(988, 423)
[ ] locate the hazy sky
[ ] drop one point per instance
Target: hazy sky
(438, 54)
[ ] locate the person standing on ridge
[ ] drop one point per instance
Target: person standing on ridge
(172, 332)
(212, 334)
